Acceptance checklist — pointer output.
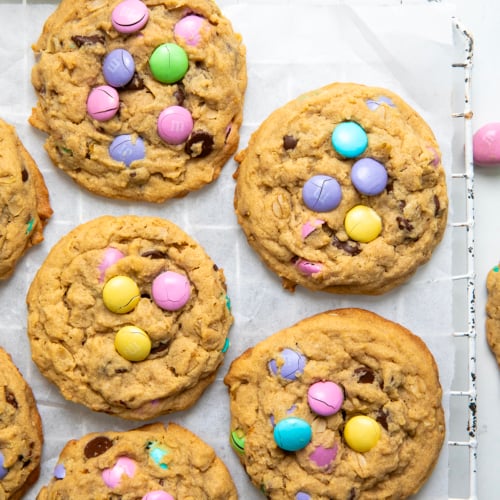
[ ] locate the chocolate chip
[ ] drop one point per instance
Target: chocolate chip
(289, 142)
(437, 205)
(216, 267)
(382, 419)
(159, 348)
(10, 398)
(351, 249)
(153, 254)
(179, 94)
(87, 40)
(352, 494)
(97, 446)
(200, 144)
(137, 83)
(24, 175)
(404, 224)
(365, 375)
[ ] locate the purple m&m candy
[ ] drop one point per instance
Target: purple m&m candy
(322, 193)
(293, 364)
(373, 104)
(118, 67)
(103, 103)
(171, 291)
(124, 148)
(369, 176)
(189, 28)
(175, 124)
(3, 470)
(59, 471)
(302, 496)
(129, 16)
(325, 398)
(349, 139)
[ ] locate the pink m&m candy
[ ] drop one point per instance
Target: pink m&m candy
(103, 103)
(129, 16)
(486, 145)
(170, 291)
(189, 28)
(158, 495)
(175, 124)
(111, 256)
(113, 476)
(325, 398)
(307, 267)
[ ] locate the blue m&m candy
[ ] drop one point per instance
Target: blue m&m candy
(292, 434)
(322, 193)
(118, 68)
(369, 176)
(349, 139)
(124, 148)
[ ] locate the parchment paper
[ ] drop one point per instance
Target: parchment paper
(292, 47)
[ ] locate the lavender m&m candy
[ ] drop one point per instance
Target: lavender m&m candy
(118, 68)
(175, 124)
(103, 103)
(293, 364)
(188, 29)
(302, 496)
(369, 176)
(169, 63)
(129, 16)
(349, 139)
(124, 148)
(322, 193)
(325, 398)
(170, 291)
(59, 471)
(292, 434)
(158, 495)
(3, 470)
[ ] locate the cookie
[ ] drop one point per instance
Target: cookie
(342, 190)
(21, 437)
(129, 316)
(140, 100)
(24, 198)
(493, 311)
(153, 462)
(344, 405)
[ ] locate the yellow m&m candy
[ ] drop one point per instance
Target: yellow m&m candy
(362, 433)
(132, 343)
(362, 224)
(121, 294)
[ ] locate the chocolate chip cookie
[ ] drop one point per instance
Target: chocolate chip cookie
(24, 199)
(342, 190)
(493, 311)
(21, 435)
(129, 316)
(153, 462)
(140, 100)
(344, 405)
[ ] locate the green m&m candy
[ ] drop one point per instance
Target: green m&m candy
(169, 63)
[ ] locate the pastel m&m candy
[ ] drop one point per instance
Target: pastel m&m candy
(362, 224)
(171, 290)
(121, 294)
(111, 256)
(362, 433)
(169, 63)
(175, 124)
(486, 145)
(188, 29)
(127, 149)
(118, 67)
(349, 139)
(158, 495)
(292, 364)
(132, 343)
(103, 103)
(292, 434)
(3, 470)
(325, 398)
(369, 176)
(306, 267)
(237, 441)
(129, 16)
(321, 193)
(124, 466)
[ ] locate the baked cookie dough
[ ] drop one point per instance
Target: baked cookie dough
(493, 311)
(344, 405)
(342, 190)
(129, 316)
(153, 462)
(21, 437)
(24, 199)
(140, 100)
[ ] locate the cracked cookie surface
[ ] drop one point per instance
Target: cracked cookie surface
(73, 331)
(387, 375)
(153, 462)
(351, 241)
(21, 435)
(71, 52)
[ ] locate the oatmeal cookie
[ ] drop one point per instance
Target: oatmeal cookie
(493, 311)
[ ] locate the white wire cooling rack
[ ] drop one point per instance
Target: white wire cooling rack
(463, 450)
